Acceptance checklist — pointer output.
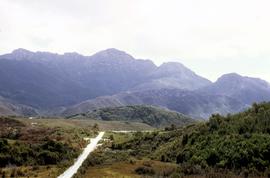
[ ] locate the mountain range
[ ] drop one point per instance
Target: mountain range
(48, 83)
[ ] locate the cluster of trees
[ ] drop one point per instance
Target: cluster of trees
(238, 143)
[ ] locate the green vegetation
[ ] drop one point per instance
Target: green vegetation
(150, 115)
(49, 152)
(36, 147)
(232, 145)
(225, 146)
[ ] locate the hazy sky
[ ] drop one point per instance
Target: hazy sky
(212, 37)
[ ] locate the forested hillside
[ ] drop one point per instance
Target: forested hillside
(153, 116)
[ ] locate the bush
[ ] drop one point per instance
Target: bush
(47, 157)
(143, 170)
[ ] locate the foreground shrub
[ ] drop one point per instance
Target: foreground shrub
(144, 170)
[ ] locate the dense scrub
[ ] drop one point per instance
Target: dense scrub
(20, 153)
(238, 143)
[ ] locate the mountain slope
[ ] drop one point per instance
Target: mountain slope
(246, 89)
(173, 75)
(150, 115)
(187, 102)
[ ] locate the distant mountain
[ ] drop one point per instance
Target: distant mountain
(245, 89)
(187, 102)
(173, 75)
(46, 80)
(150, 115)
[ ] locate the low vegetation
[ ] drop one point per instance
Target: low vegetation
(37, 147)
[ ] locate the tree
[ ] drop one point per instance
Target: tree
(95, 127)
(185, 140)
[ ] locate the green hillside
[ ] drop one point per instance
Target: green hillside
(236, 145)
(150, 115)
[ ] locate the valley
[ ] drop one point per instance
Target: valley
(134, 89)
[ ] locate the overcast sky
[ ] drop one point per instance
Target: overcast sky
(211, 37)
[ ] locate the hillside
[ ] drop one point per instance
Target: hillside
(190, 103)
(150, 115)
(237, 142)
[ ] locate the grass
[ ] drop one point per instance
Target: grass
(75, 123)
(118, 137)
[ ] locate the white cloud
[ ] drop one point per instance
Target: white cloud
(209, 36)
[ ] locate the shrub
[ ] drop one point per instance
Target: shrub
(143, 170)
(47, 157)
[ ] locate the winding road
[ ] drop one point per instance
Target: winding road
(90, 147)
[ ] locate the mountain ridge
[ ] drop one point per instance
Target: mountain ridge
(62, 83)
(65, 79)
